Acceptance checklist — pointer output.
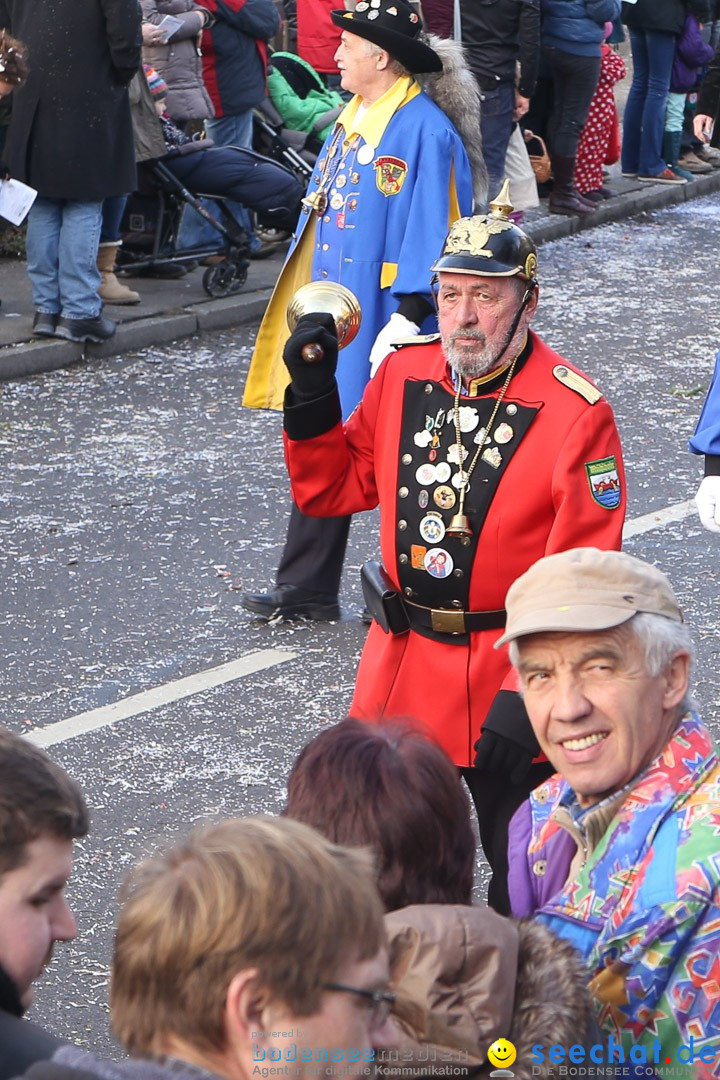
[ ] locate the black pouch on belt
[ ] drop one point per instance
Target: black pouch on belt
(383, 600)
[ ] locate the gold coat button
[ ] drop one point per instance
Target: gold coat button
(403, 493)
(402, 524)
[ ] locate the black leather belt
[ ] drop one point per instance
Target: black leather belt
(451, 620)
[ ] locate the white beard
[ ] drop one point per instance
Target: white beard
(471, 362)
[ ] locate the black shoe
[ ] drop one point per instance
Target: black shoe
(169, 271)
(44, 324)
(366, 616)
(97, 329)
(293, 602)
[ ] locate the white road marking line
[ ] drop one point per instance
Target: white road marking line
(63, 730)
(159, 695)
(658, 518)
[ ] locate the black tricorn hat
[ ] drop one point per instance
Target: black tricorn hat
(395, 27)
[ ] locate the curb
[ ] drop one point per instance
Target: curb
(628, 205)
(36, 357)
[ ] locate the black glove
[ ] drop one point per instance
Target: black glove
(507, 743)
(312, 380)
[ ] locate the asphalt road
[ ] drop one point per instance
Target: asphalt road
(138, 498)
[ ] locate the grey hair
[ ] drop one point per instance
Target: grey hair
(394, 66)
(659, 640)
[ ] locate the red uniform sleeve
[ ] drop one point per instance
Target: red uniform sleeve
(334, 474)
(588, 485)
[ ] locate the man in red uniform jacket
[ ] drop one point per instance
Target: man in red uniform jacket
(485, 451)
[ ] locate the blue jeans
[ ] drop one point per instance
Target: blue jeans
(231, 130)
(62, 247)
(113, 209)
(644, 120)
(496, 127)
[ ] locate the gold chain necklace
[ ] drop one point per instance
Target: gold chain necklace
(318, 200)
(459, 526)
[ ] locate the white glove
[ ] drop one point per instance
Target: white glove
(707, 501)
(395, 329)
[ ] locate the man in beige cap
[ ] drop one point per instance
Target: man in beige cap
(619, 852)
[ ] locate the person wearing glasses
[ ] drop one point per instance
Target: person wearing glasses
(252, 948)
(462, 975)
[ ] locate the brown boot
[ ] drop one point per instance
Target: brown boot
(111, 290)
(565, 198)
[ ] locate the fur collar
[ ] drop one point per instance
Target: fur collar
(456, 92)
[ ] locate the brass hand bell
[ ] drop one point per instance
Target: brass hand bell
(328, 296)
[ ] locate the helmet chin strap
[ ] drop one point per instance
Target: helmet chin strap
(531, 286)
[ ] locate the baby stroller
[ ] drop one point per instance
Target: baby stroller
(152, 224)
(291, 124)
(208, 181)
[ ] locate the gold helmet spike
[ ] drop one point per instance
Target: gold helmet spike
(501, 207)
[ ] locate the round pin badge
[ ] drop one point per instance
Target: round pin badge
(460, 480)
(425, 475)
(442, 472)
(444, 497)
(468, 418)
(438, 562)
(365, 154)
(336, 200)
(503, 434)
(432, 528)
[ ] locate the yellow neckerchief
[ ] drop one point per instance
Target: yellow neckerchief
(371, 125)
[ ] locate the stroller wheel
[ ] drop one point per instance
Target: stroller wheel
(224, 279)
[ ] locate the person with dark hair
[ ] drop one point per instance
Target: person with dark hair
(462, 976)
(249, 945)
(345, 783)
(42, 811)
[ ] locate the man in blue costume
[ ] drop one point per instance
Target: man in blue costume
(392, 177)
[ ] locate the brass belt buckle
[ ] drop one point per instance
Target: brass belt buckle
(447, 622)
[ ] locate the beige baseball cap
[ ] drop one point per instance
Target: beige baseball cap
(585, 589)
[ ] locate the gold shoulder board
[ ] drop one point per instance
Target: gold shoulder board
(578, 383)
(418, 339)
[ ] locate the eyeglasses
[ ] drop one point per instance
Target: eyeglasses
(379, 1003)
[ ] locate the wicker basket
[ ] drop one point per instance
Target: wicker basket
(539, 157)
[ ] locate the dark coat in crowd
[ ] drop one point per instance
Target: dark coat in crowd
(21, 1043)
(667, 15)
(234, 52)
(709, 96)
(70, 136)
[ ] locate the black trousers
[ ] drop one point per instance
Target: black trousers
(574, 81)
(314, 552)
(496, 800)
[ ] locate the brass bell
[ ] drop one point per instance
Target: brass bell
(321, 296)
(459, 527)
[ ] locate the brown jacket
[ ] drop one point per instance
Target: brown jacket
(465, 976)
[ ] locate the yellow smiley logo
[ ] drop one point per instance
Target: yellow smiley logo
(502, 1053)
